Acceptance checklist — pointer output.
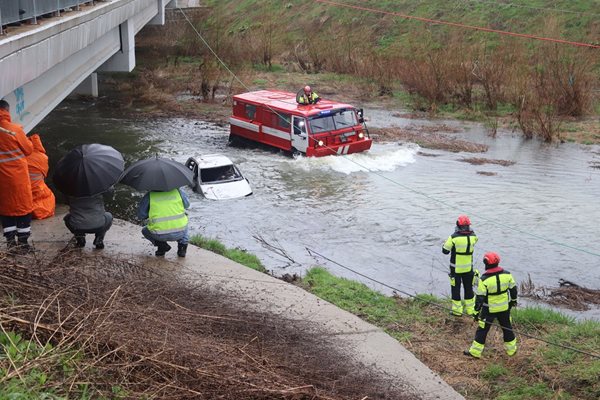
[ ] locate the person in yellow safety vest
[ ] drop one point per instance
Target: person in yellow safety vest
(166, 220)
(460, 247)
(496, 295)
(309, 97)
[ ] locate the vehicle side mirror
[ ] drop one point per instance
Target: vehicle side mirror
(361, 117)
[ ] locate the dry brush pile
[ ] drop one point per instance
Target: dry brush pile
(153, 336)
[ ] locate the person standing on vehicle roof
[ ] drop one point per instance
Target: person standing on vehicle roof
(460, 247)
(496, 295)
(309, 97)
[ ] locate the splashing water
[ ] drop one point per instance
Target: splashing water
(381, 158)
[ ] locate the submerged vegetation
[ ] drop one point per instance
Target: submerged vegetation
(545, 87)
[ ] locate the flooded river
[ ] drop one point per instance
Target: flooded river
(387, 222)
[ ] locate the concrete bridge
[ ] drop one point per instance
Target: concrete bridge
(42, 63)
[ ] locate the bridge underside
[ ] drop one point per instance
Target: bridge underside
(42, 66)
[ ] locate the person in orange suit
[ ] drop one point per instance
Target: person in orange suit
(44, 201)
(16, 201)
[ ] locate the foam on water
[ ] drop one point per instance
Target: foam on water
(383, 158)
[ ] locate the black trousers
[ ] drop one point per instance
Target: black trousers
(466, 280)
(99, 231)
(16, 226)
(504, 321)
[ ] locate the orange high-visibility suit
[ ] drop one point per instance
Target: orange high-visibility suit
(43, 198)
(15, 188)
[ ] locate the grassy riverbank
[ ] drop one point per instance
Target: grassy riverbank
(539, 88)
(238, 255)
(423, 325)
(538, 371)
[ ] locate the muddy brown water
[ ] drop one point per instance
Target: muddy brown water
(388, 223)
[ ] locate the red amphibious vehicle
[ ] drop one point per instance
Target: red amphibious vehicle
(275, 118)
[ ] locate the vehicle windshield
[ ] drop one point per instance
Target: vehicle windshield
(225, 173)
(329, 120)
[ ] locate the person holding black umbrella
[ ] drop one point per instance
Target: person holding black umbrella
(166, 220)
(163, 207)
(87, 215)
(83, 175)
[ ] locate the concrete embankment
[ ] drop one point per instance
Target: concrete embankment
(364, 343)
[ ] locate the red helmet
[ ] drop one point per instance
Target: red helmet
(491, 258)
(463, 220)
(307, 89)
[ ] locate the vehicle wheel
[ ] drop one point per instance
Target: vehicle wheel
(296, 153)
(234, 140)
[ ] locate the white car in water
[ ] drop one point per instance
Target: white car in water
(217, 178)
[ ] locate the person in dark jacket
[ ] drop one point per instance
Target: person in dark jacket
(460, 247)
(496, 295)
(87, 215)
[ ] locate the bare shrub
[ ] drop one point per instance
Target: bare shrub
(424, 69)
(537, 114)
(312, 53)
(492, 66)
(459, 64)
(154, 334)
(572, 74)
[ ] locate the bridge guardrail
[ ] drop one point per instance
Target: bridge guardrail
(15, 11)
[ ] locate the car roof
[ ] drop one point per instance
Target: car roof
(213, 161)
(286, 101)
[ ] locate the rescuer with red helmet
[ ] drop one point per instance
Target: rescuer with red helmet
(307, 96)
(496, 295)
(460, 247)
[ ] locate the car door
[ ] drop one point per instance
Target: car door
(299, 134)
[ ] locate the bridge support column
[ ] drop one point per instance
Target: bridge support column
(160, 17)
(183, 3)
(89, 86)
(124, 59)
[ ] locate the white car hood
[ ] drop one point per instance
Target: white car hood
(226, 190)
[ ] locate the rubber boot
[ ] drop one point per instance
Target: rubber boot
(23, 246)
(162, 249)
(79, 240)
(11, 246)
(99, 242)
(181, 249)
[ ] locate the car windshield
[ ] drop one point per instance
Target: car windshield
(224, 173)
(330, 120)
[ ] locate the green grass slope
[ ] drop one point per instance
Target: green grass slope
(564, 19)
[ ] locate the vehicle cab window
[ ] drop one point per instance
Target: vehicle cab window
(250, 111)
(299, 126)
(284, 121)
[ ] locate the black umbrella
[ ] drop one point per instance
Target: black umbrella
(157, 174)
(88, 170)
